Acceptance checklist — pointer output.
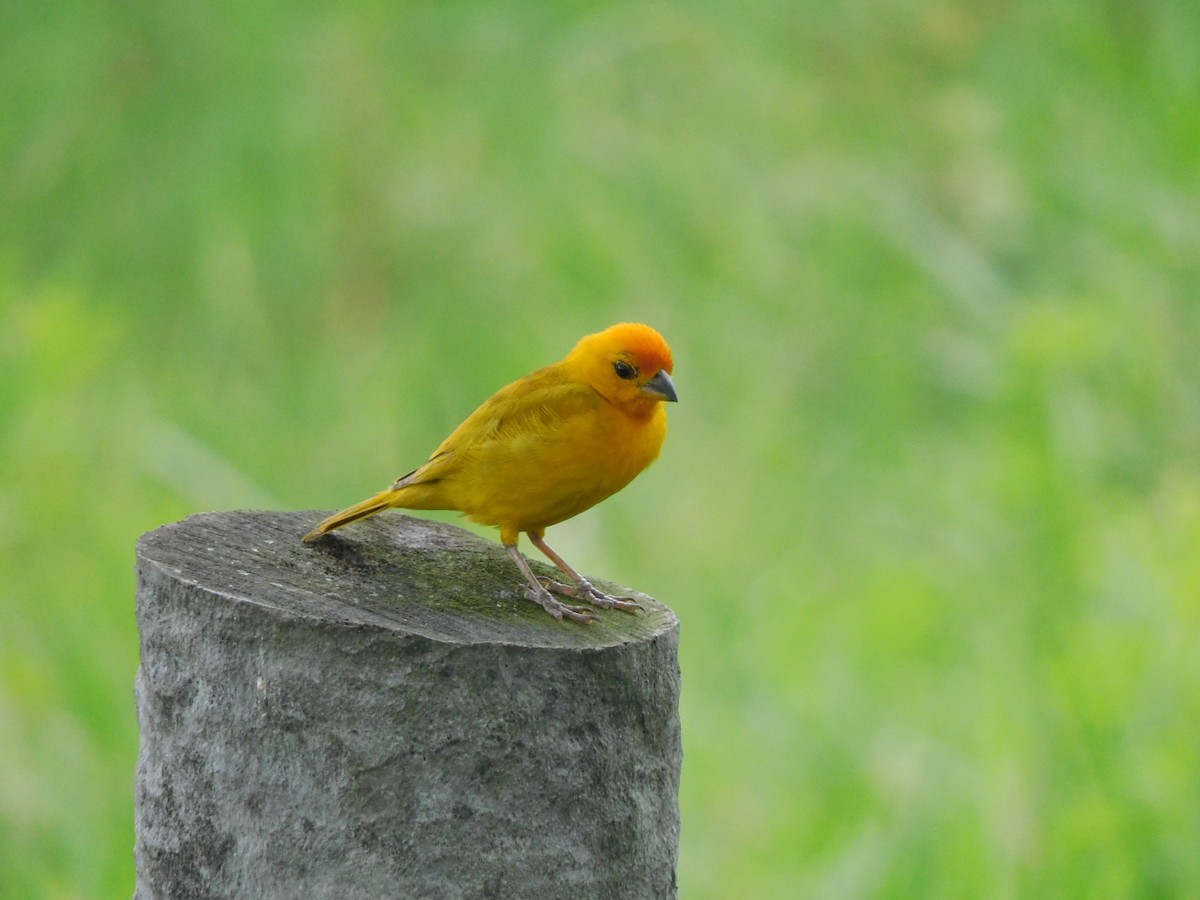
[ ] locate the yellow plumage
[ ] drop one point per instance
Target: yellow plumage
(544, 449)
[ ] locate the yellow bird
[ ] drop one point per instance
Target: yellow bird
(544, 449)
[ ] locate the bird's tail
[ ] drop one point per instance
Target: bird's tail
(368, 507)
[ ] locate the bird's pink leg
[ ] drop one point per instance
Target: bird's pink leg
(538, 593)
(582, 588)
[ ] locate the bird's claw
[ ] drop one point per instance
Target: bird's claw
(584, 591)
(557, 608)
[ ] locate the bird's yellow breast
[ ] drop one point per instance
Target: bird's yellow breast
(538, 477)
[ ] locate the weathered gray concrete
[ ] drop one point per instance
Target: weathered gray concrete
(382, 714)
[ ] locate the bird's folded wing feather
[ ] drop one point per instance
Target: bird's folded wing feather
(539, 403)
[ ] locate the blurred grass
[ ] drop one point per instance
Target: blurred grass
(930, 508)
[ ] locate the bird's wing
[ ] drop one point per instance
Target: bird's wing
(534, 405)
(538, 403)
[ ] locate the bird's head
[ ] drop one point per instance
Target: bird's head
(628, 364)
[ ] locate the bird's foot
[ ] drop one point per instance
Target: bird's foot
(557, 608)
(584, 591)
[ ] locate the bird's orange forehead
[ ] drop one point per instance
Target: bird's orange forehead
(641, 342)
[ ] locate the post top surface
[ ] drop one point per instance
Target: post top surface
(398, 573)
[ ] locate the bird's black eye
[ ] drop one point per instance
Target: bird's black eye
(624, 370)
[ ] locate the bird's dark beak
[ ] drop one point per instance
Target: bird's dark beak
(661, 387)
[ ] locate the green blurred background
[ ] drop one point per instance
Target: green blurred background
(930, 506)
